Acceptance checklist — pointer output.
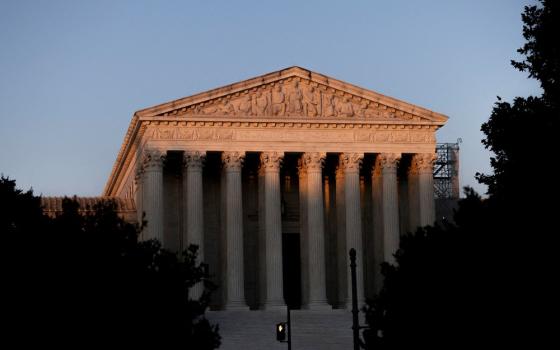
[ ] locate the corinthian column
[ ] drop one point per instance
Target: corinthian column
(270, 165)
(424, 163)
(152, 198)
(387, 164)
(351, 163)
(139, 193)
(413, 204)
(341, 251)
(303, 234)
(193, 229)
(235, 282)
(313, 163)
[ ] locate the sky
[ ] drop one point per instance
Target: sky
(72, 73)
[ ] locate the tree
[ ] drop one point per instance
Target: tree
(432, 296)
(82, 279)
(489, 278)
(522, 134)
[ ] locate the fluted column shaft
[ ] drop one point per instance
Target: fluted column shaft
(152, 185)
(413, 200)
(235, 281)
(193, 227)
(303, 234)
(138, 179)
(341, 251)
(390, 205)
(351, 163)
(313, 163)
(270, 162)
(378, 240)
(425, 164)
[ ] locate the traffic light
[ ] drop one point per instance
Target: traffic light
(281, 331)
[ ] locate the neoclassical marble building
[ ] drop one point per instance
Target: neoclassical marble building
(275, 178)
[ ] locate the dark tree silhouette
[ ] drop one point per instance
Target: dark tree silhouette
(437, 290)
(86, 280)
(489, 278)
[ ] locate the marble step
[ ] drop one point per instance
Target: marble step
(248, 330)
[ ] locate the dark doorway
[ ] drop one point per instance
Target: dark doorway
(291, 269)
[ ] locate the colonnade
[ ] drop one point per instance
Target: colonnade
(385, 191)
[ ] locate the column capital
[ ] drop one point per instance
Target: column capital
(387, 162)
(194, 160)
(233, 161)
(302, 172)
(271, 161)
(138, 174)
(423, 162)
(339, 172)
(350, 161)
(313, 161)
(152, 159)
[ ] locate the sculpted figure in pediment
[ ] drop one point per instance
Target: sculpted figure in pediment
(387, 114)
(227, 108)
(371, 112)
(295, 100)
(311, 102)
(329, 109)
(278, 101)
(360, 110)
(212, 109)
(262, 102)
(344, 108)
(246, 106)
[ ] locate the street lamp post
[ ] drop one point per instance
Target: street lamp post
(285, 327)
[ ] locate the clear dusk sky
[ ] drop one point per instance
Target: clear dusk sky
(72, 73)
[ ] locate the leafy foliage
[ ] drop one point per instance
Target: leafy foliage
(542, 48)
(489, 278)
(434, 289)
(87, 278)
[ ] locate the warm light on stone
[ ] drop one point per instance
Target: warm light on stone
(218, 169)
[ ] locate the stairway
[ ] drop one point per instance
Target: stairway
(255, 330)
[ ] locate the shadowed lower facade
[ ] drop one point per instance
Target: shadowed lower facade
(276, 178)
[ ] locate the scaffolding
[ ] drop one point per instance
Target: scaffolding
(446, 171)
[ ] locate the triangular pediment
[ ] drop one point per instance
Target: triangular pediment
(294, 93)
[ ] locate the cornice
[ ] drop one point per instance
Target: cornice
(267, 122)
(180, 105)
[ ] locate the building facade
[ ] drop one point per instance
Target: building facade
(275, 178)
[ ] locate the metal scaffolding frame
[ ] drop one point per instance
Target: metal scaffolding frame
(446, 171)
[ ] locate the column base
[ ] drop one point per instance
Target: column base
(318, 306)
(348, 305)
(274, 305)
(343, 305)
(236, 306)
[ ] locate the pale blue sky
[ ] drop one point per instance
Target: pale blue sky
(72, 73)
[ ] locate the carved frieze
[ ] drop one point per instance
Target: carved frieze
(193, 134)
(294, 97)
(301, 132)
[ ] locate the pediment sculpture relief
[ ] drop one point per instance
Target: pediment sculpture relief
(296, 97)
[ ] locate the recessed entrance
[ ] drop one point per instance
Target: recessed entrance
(291, 269)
